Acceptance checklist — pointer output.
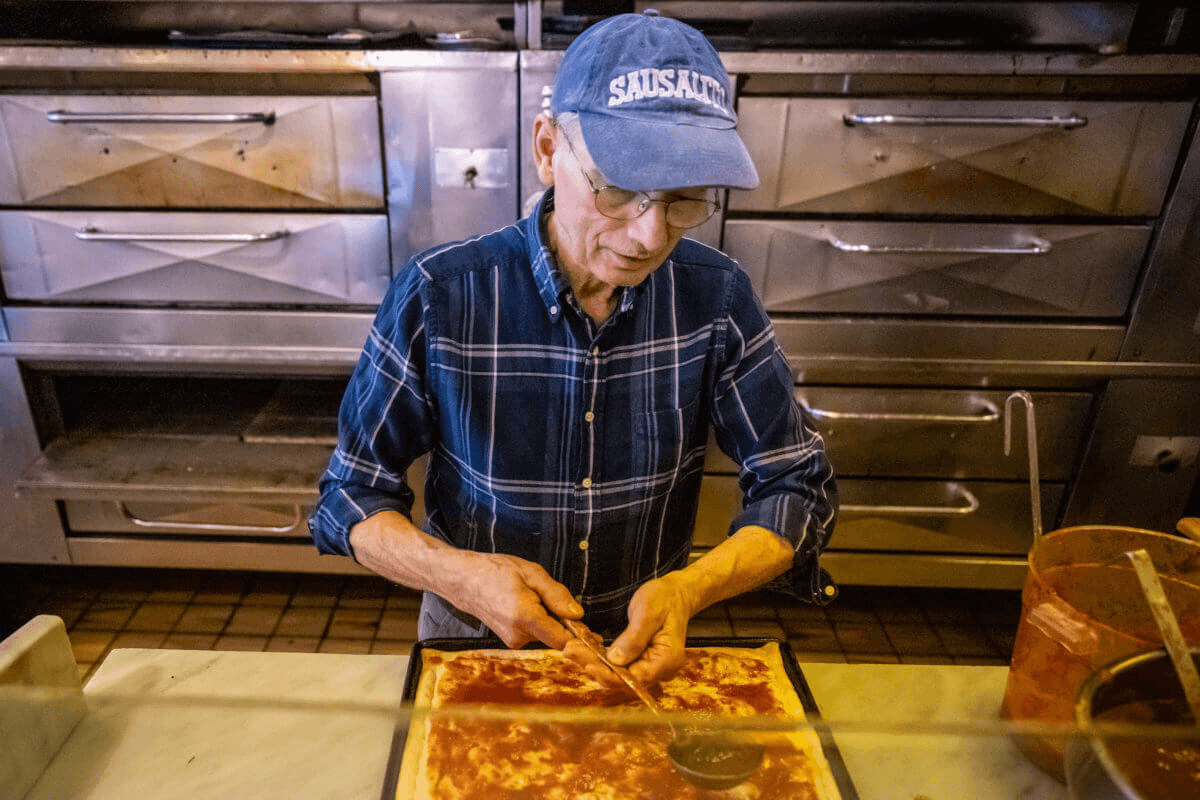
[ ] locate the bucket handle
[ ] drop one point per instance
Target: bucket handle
(1035, 493)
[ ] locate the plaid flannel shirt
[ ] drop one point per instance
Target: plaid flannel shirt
(575, 445)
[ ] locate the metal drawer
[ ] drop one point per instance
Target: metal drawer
(192, 151)
(960, 157)
(228, 519)
(907, 516)
(938, 433)
(940, 269)
(217, 258)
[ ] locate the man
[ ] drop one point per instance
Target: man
(562, 374)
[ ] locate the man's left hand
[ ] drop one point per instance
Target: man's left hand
(652, 646)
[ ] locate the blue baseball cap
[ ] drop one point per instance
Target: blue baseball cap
(655, 105)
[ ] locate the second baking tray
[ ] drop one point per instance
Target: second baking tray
(791, 667)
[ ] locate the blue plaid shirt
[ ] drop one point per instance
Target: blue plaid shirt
(575, 445)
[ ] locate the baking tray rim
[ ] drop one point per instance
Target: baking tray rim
(791, 668)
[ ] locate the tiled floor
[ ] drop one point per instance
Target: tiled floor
(115, 608)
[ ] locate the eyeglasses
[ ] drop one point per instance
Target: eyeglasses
(622, 204)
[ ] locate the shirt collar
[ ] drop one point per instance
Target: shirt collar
(553, 286)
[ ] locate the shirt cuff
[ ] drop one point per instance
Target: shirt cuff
(787, 516)
(344, 507)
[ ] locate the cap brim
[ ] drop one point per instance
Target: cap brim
(646, 156)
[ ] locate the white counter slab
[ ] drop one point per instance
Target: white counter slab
(949, 764)
(165, 724)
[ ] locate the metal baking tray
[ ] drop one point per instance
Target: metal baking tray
(790, 665)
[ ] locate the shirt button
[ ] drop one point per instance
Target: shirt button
(583, 545)
(553, 309)
(587, 483)
(595, 351)
(589, 416)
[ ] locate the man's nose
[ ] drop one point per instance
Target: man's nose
(650, 230)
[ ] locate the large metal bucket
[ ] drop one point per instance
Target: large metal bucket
(1082, 608)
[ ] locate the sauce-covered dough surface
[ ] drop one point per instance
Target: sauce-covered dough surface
(454, 756)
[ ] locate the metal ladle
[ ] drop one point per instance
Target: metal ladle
(713, 760)
(1168, 626)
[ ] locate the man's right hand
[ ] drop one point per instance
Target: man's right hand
(516, 598)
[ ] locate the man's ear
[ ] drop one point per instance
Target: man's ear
(545, 142)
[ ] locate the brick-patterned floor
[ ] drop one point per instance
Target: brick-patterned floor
(106, 608)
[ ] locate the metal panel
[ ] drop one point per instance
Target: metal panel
(31, 530)
(116, 551)
(451, 158)
(204, 151)
(937, 433)
(958, 517)
(940, 269)
(216, 258)
(879, 339)
(1141, 465)
(988, 157)
(1166, 318)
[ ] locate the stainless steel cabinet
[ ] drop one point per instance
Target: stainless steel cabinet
(190, 151)
(931, 156)
(223, 259)
(942, 268)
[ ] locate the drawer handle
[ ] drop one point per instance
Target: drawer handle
(1036, 247)
(1066, 123)
(202, 527)
(989, 413)
(94, 235)
(970, 506)
(84, 117)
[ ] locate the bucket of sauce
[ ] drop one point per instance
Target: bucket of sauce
(1082, 609)
(1123, 758)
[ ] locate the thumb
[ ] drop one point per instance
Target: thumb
(631, 643)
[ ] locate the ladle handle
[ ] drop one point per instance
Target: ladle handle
(1035, 490)
(1168, 626)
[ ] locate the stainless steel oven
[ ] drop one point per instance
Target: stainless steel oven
(191, 258)
(932, 232)
(198, 217)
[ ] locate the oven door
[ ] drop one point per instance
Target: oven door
(136, 150)
(226, 259)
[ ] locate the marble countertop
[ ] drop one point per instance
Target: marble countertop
(164, 724)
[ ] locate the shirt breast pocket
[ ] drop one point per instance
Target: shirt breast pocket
(663, 440)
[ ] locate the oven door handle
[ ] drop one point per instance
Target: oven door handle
(95, 235)
(1066, 123)
(989, 413)
(163, 118)
(1035, 247)
(209, 527)
(969, 506)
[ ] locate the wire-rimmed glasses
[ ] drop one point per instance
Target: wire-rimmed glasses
(623, 204)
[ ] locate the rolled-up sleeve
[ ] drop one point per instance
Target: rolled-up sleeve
(786, 477)
(384, 423)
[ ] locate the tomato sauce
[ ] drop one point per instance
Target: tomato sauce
(502, 759)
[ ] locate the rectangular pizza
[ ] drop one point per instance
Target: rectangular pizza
(450, 756)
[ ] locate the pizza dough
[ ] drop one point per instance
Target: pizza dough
(589, 754)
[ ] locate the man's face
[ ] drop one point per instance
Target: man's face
(614, 252)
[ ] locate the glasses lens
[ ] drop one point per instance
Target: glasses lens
(620, 204)
(617, 203)
(689, 213)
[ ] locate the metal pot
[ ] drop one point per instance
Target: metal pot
(1134, 767)
(1082, 608)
